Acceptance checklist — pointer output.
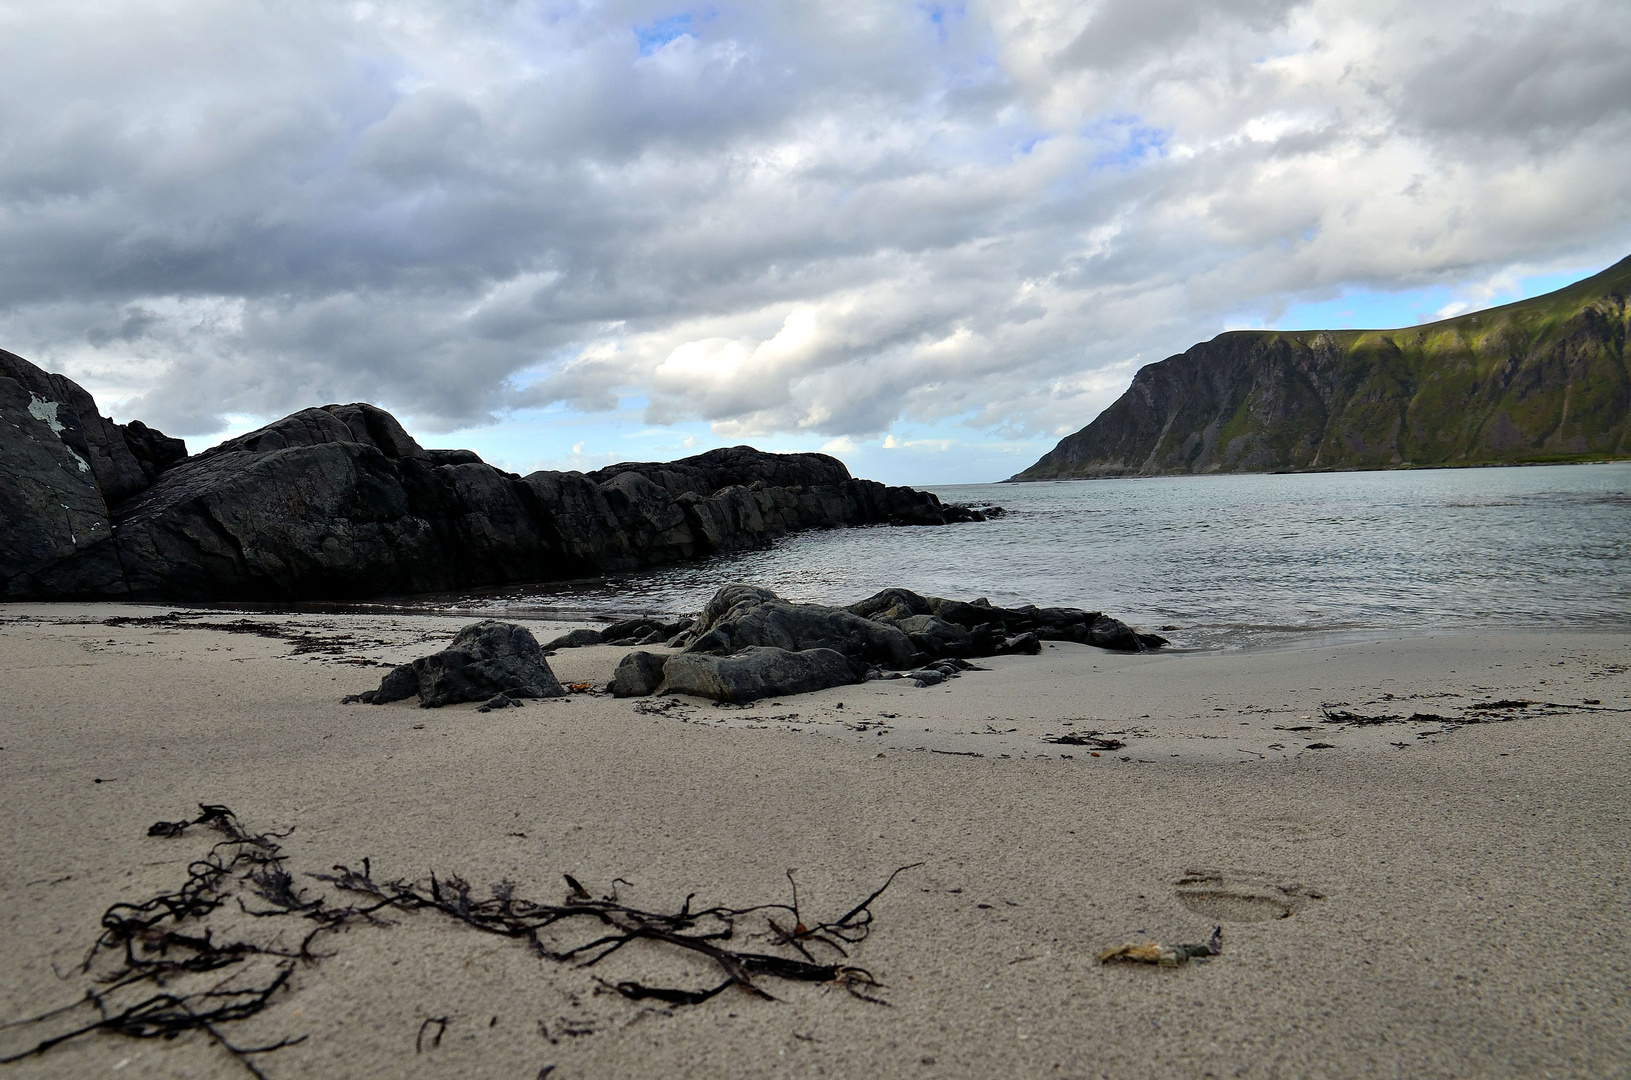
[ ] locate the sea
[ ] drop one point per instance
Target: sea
(1211, 562)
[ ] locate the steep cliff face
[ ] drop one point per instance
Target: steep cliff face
(1544, 379)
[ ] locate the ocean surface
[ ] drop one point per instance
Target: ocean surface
(1224, 561)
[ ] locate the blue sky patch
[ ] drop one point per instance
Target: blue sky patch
(654, 35)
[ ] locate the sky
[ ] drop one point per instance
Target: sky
(929, 238)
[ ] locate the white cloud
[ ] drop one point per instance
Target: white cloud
(776, 218)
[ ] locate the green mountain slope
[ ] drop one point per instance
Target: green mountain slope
(1541, 380)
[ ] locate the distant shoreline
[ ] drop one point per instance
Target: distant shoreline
(1406, 467)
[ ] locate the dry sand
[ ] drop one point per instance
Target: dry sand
(1472, 881)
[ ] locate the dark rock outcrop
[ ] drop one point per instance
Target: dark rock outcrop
(485, 660)
(757, 672)
(1542, 380)
(747, 643)
(340, 501)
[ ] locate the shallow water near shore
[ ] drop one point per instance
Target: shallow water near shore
(1227, 561)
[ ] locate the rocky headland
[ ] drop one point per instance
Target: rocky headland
(341, 502)
(1542, 380)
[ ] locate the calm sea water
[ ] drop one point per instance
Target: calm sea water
(1227, 560)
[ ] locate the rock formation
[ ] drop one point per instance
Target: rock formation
(340, 502)
(749, 643)
(1541, 380)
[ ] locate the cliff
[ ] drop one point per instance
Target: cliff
(1541, 380)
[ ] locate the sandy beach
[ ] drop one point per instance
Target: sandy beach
(1459, 891)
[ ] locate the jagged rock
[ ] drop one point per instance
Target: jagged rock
(638, 674)
(73, 415)
(757, 672)
(486, 659)
(1025, 644)
(153, 450)
(740, 616)
(575, 639)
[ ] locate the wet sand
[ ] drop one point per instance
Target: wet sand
(1461, 889)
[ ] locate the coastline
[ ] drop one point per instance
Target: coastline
(1472, 879)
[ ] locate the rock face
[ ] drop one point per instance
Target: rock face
(486, 659)
(340, 501)
(1544, 379)
(61, 465)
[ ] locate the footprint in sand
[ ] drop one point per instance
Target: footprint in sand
(1242, 897)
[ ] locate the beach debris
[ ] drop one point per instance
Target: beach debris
(1241, 896)
(1320, 746)
(217, 950)
(440, 1024)
(499, 701)
(1093, 740)
(1483, 712)
(1153, 952)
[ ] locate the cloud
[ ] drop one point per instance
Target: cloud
(775, 218)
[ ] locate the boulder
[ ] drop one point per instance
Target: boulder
(757, 672)
(638, 674)
(485, 660)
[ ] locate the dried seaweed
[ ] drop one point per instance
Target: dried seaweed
(1093, 740)
(615, 925)
(162, 946)
(182, 961)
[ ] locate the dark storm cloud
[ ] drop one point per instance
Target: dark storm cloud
(771, 217)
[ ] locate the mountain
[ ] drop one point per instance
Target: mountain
(1541, 380)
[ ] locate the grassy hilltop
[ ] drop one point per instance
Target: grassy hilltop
(1541, 380)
